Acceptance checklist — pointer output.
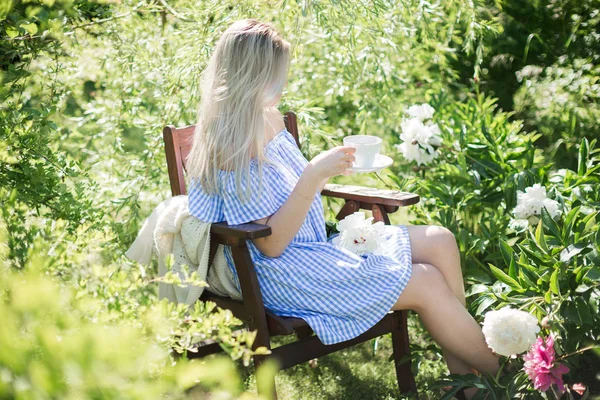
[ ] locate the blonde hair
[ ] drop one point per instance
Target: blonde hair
(246, 73)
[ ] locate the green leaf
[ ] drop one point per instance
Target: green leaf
(510, 196)
(548, 297)
(476, 289)
(593, 274)
(507, 251)
(524, 278)
(535, 256)
(524, 263)
(449, 395)
(550, 224)
(484, 305)
(481, 276)
(5, 7)
(512, 269)
(502, 277)
(31, 28)
(554, 286)
(540, 238)
(584, 149)
(12, 32)
(570, 252)
(584, 311)
(569, 221)
(488, 136)
(569, 311)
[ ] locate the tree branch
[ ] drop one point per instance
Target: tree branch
(174, 12)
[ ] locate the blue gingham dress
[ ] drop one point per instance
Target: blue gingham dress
(338, 293)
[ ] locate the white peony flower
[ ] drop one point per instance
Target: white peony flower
(531, 202)
(360, 235)
(427, 157)
(519, 225)
(435, 138)
(508, 331)
(419, 140)
(415, 153)
(413, 130)
(412, 152)
(422, 112)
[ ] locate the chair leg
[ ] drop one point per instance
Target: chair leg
(265, 385)
(400, 345)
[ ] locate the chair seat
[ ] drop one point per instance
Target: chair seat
(278, 326)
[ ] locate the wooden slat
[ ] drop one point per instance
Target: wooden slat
(401, 348)
(380, 214)
(178, 143)
(203, 349)
(245, 231)
(311, 347)
(370, 195)
(291, 124)
(350, 207)
(277, 325)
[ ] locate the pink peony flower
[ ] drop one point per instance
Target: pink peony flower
(541, 368)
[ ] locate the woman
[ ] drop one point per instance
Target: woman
(245, 167)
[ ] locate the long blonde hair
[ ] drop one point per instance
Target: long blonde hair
(246, 73)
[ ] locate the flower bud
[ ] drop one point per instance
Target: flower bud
(545, 323)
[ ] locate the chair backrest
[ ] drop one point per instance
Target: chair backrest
(178, 143)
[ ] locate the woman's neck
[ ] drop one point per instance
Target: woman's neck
(273, 123)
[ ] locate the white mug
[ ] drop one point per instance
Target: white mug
(367, 147)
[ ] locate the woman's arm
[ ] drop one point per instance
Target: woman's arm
(286, 222)
(322, 185)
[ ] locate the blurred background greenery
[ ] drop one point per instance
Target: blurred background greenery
(88, 86)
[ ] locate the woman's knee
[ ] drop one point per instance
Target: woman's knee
(430, 242)
(442, 236)
(425, 286)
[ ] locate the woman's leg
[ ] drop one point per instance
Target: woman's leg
(436, 245)
(445, 318)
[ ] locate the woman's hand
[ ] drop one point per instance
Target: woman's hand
(335, 161)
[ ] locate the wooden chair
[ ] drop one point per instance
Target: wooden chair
(251, 310)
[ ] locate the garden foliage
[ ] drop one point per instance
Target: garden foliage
(87, 87)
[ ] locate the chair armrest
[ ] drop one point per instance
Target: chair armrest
(394, 198)
(243, 231)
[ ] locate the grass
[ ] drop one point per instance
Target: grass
(359, 372)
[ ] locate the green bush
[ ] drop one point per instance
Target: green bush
(59, 342)
(471, 187)
(561, 103)
(537, 33)
(549, 269)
